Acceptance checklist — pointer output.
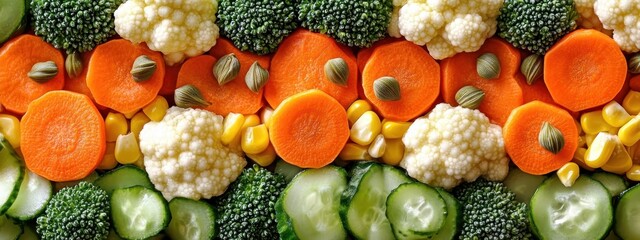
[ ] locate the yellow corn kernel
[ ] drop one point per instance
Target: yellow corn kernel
(131, 114)
(251, 121)
(352, 151)
(568, 173)
(633, 173)
(265, 158)
(620, 160)
(10, 128)
(115, 125)
(356, 110)
(378, 146)
(581, 141)
(137, 123)
(578, 158)
(127, 150)
(394, 152)
(629, 134)
(255, 139)
(600, 150)
(588, 139)
(593, 123)
(631, 102)
(156, 109)
(614, 114)
(365, 128)
(394, 130)
(109, 158)
(265, 115)
(634, 153)
(232, 126)
(613, 130)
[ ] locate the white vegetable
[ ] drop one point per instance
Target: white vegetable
(588, 18)
(623, 17)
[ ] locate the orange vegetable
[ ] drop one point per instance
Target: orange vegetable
(634, 83)
(502, 94)
(536, 91)
(584, 69)
(63, 136)
(417, 73)
(521, 137)
(110, 81)
(365, 53)
(17, 57)
(170, 79)
(79, 84)
(309, 129)
(298, 65)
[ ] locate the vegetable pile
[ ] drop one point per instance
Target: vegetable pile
(319, 119)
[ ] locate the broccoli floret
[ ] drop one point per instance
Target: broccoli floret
(78, 212)
(257, 25)
(491, 211)
(536, 25)
(74, 25)
(356, 23)
(247, 209)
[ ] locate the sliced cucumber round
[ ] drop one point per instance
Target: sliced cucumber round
(628, 214)
(523, 184)
(415, 211)
(11, 175)
(9, 229)
(138, 212)
(123, 177)
(287, 170)
(35, 192)
(452, 224)
(13, 18)
(191, 220)
(29, 234)
(613, 182)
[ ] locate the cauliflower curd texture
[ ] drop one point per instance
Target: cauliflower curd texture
(184, 156)
(452, 145)
(623, 17)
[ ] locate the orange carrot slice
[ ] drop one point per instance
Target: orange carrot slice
(170, 79)
(502, 94)
(417, 73)
(110, 81)
(17, 57)
(585, 69)
(63, 136)
(536, 91)
(521, 137)
(309, 129)
(298, 65)
(365, 53)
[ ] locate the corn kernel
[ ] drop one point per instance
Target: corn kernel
(130, 114)
(614, 114)
(156, 109)
(633, 173)
(620, 160)
(109, 158)
(140, 163)
(356, 110)
(588, 139)
(265, 115)
(634, 153)
(578, 158)
(255, 139)
(631, 102)
(593, 123)
(600, 150)
(10, 128)
(115, 125)
(137, 123)
(127, 150)
(365, 128)
(352, 151)
(232, 126)
(265, 158)
(630, 133)
(394, 130)
(581, 141)
(251, 121)
(377, 147)
(568, 174)
(613, 130)
(394, 152)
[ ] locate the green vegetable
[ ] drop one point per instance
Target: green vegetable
(255, 25)
(78, 212)
(13, 18)
(536, 25)
(356, 23)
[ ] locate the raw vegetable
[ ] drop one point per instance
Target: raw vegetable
(442, 149)
(365, 53)
(415, 210)
(453, 223)
(139, 212)
(626, 215)
(614, 183)
(191, 220)
(536, 91)
(11, 175)
(63, 136)
(309, 129)
(588, 18)
(286, 169)
(298, 65)
(523, 184)
(634, 83)
(123, 177)
(418, 78)
(620, 16)
(13, 18)
(17, 57)
(584, 63)
(158, 23)
(184, 156)
(10, 229)
(79, 83)
(33, 196)
(393, 29)
(170, 79)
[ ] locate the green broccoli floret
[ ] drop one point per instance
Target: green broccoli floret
(491, 211)
(78, 212)
(257, 25)
(536, 25)
(247, 209)
(74, 25)
(356, 23)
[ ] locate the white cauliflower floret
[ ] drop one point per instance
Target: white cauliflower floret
(448, 26)
(177, 28)
(588, 18)
(184, 156)
(623, 17)
(393, 28)
(454, 144)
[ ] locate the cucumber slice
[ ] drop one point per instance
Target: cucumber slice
(35, 192)
(415, 211)
(191, 220)
(363, 203)
(628, 214)
(613, 182)
(13, 18)
(138, 212)
(451, 228)
(123, 177)
(28, 234)
(309, 207)
(11, 175)
(9, 229)
(582, 211)
(287, 170)
(523, 184)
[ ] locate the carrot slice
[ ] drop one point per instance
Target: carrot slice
(584, 69)
(417, 73)
(63, 136)
(78, 84)
(309, 129)
(110, 81)
(298, 65)
(17, 57)
(502, 94)
(521, 137)
(536, 91)
(365, 53)
(170, 79)
(634, 83)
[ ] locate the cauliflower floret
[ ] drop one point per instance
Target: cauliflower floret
(177, 28)
(588, 18)
(447, 26)
(184, 156)
(454, 144)
(623, 17)
(393, 28)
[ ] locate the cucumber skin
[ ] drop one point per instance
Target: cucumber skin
(211, 209)
(356, 174)
(458, 221)
(166, 219)
(615, 230)
(16, 188)
(428, 235)
(110, 189)
(39, 212)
